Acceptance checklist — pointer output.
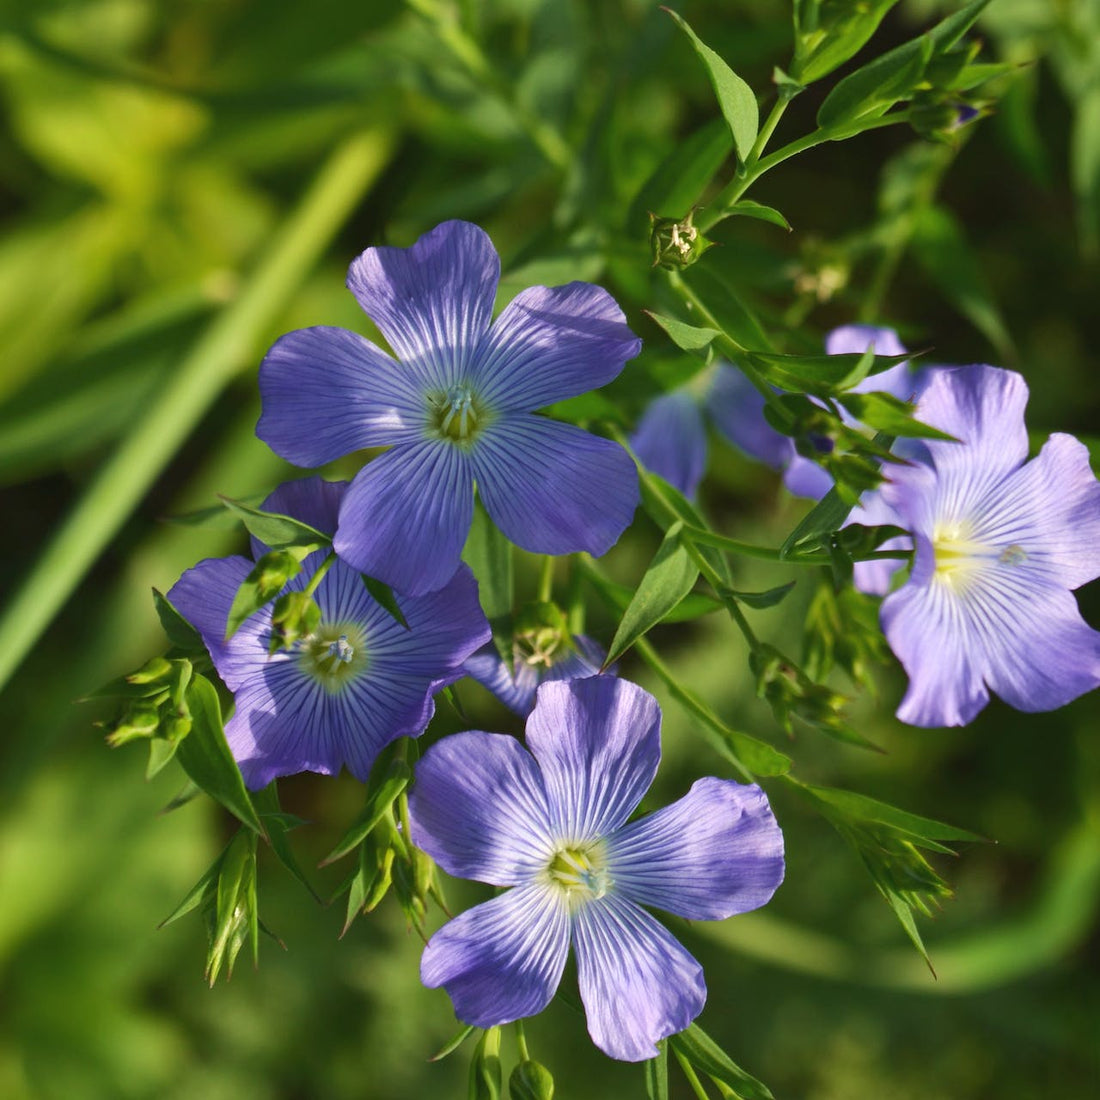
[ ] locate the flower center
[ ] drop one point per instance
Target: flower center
(579, 871)
(333, 655)
(959, 554)
(456, 414)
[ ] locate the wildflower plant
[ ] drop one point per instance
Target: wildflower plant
(517, 494)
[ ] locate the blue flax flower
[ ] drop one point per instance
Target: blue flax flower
(455, 407)
(552, 824)
(1000, 545)
(358, 682)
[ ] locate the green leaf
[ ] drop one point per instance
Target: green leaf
(656, 1073)
(725, 303)
(735, 97)
(488, 553)
(760, 600)
(692, 606)
(197, 893)
(206, 758)
(1085, 164)
(276, 531)
(886, 413)
(941, 248)
(236, 920)
(821, 375)
(688, 337)
(277, 825)
(825, 517)
(397, 777)
(839, 38)
(383, 595)
(705, 1054)
(670, 577)
(873, 89)
(453, 1043)
(749, 209)
(948, 31)
(683, 175)
(180, 632)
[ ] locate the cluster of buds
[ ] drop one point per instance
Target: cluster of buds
(154, 702)
(792, 694)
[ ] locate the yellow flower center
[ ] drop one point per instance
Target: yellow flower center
(457, 414)
(580, 872)
(334, 654)
(959, 555)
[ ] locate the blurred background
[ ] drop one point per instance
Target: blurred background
(181, 181)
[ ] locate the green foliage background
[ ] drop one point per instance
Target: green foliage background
(182, 181)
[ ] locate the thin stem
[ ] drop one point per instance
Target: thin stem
(731, 604)
(319, 576)
(546, 579)
(521, 1042)
(690, 1074)
(220, 352)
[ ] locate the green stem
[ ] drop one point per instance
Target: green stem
(319, 576)
(546, 579)
(715, 581)
(690, 1074)
(768, 553)
(226, 346)
(521, 1042)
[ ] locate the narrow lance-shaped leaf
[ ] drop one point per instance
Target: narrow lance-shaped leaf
(873, 89)
(669, 578)
(278, 825)
(735, 97)
(949, 30)
(886, 413)
(760, 600)
(705, 1054)
(383, 595)
(180, 632)
(277, 531)
(821, 375)
(749, 209)
(397, 777)
(689, 337)
(206, 758)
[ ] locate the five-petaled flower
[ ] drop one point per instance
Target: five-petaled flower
(1000, 544)
(359, 681)
(552, 824)
(455, 407)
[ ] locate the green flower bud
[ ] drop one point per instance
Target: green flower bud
(295, 616)
(675, 242)
(272, 571)
(530, 1081)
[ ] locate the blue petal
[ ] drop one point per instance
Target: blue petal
(553, 488)
(406, 516)
(327, 392)
(984, 408)
(433, 301)
(856, 339)
(737, 409)
(716, 852)
(479, 809)
(875, 577)
(309, 499)
(671, 440)
(501, 960)
(805, 478)
(517, 692)
(638, 983)
(551, 343)
(203, 596)
(598, 743)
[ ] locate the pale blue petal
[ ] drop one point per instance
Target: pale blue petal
(433, 301)
(805, 478)
(715, 852)
(479, 809)
(553, 488)
(856, 339)
(501, 960)
(327, 392)
(309, 499)
(875, 577)
(551, 343)
(638, 983)
(406, 516)
(598, 743)
(671, 440)
(737, 409)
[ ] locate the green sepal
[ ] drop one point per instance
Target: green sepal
(671, 575)
(735, 98)
(656, 1073)
(234, 920)
(278, 532)
(295, 616)
(206, 758)
(485, 1070)
(530, 1080)
(705, 1054)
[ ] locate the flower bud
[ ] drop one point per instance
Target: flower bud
(675, 242)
